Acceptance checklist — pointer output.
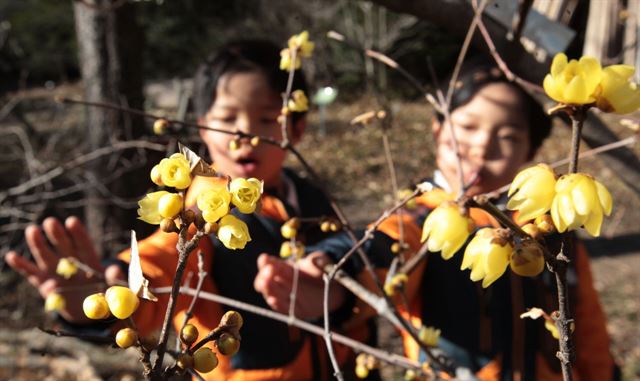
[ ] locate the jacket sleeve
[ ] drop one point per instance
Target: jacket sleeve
(593, 358)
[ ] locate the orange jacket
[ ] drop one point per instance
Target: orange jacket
(593, 361)
(158, 257)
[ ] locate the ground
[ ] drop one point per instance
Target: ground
(350, 158)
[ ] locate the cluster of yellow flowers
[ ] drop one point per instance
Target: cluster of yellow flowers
(214, 203)
(584, 81)
(364, 363)
(299, 46)
(575, 199)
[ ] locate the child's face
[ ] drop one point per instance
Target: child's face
(493, 139)
(245, 102)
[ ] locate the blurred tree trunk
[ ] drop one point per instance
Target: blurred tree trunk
(110, 45)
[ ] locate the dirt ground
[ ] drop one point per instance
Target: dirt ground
(350, 158)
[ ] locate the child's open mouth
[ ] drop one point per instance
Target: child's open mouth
(248, 164)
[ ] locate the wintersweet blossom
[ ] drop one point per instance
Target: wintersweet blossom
(446, 229)
(619, 94)
(301, 43)
(289, 248)
(580, 201)
(233, 232)
(175, 171)
(54, 302)
(573, 82)
(487, 255)
(298, 102)
(532, 191)
(245, 194)
(148, 207)
(429, 336)
(287, 61)
(66, 268)
(214, 202)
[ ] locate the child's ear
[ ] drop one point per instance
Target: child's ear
(436, 127)
(297, 130)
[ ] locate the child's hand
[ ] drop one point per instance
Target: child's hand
(70, 240)
(275, 278)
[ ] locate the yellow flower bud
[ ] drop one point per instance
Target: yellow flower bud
(189, 334)
(234, 145)
(233, 232)
(169, 205)
(66, 268)
(527, 258)
(95, 307)
(255, 141)
(204, 360)
(397, 282)
(54, 302)
(429, 336)
(532, 191)
(232, 319)
(446, 229)
(325, 226)
(122, 301)
(288, 249)
(362, 371)
(168, 225)
(573, 82)
(619, 94)
(214, 202)
(298, 102)
(487, 255)
(288, 231)
(404, 193)
(302, 43)
(155, 175)
(148, 207)
(580, 201)
(175, 171)
(126, 337)
(286, 57)
(551, 327)
(545, 224)
(245, 194)
(227, 344)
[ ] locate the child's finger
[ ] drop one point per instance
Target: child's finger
(83, 244)
(25, 267)
(58, 237)
(45, 258)
(113, 274)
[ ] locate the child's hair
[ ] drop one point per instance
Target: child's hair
(475, 75)
(242, 56)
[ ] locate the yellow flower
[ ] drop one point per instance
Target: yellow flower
(95, 306)
(54, 302)
(122, 301)
(301, 43)
(580, 201)
(148, 208)
(573, 82)
(532, 191)
(175, 171)
(169, 205)
(446, 229)
(551, 327)
(66, 268)
(214, 202)
(397, 282)
(288, 249)
(487, 255)
(298, 102)
(527, 258)
(233, 233)
(155, 175)
(286, 58)
(429, 336)
(619, 95)
(245, 194)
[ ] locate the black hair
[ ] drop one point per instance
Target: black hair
(474, 75)
(254, 55)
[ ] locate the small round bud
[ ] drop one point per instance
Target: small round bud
(204, 360)
(381, 114)
(160, 126)
(234, 145)
(545, 224)
(189, 334)
(199, 221)
(95, 307)
(185, 361)
(227, 344)
(533, 231)
(188, 216)
(396, 248)
(232, 319)
(54, 302)
(294, 222)
(211, 227)
(155, 175)
(362, 371)
(325, 226)
(255, 141)
(122, 301)
(335, 226)
(170, 205)
(126, 337)
(168, 225)
(288, 231)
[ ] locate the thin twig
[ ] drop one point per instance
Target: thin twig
(202, 275)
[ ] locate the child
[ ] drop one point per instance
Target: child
(499, 128)
(238, 89)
